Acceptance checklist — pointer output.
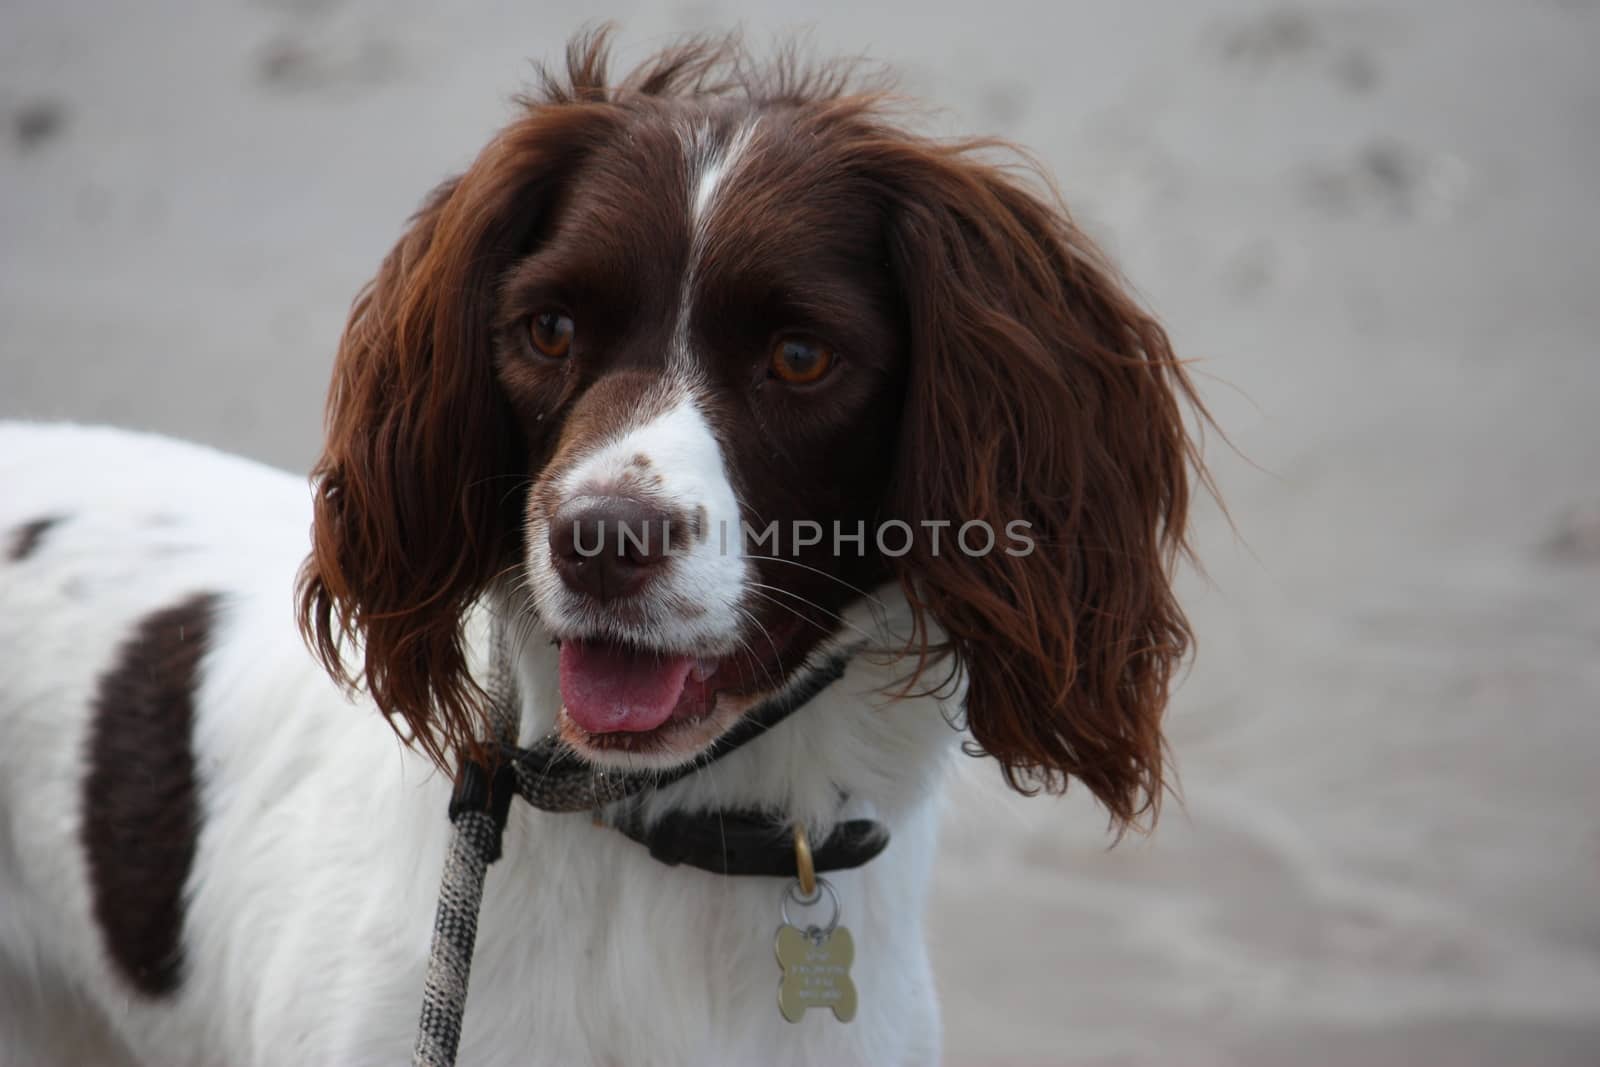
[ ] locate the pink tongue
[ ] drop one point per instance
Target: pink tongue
(608, 688)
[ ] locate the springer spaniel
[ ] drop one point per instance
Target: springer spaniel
(830, 360)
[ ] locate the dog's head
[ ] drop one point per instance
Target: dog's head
(693, 362)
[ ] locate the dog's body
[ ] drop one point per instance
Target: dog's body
(311, 897)
(706, 304)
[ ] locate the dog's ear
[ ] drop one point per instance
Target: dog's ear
(1046, 404)
(417, 491)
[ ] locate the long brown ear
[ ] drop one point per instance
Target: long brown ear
(418, 487)
(1040, 392)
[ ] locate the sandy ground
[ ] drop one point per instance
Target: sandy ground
(1375, 225)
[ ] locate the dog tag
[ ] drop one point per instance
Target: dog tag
(816, 972)
(815, 960)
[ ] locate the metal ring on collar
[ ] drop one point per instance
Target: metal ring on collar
(805, 869)
(806, 900)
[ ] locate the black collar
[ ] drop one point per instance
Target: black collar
(750, 842)
(735, 842)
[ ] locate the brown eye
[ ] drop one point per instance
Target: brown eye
(551, 332)
(801, 362)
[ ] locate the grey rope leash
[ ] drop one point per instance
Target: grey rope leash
(478, 813)
(474, 844)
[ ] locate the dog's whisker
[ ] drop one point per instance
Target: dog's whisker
(757, 588)
(818, 571)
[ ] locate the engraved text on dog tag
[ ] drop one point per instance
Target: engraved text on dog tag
(816, 972)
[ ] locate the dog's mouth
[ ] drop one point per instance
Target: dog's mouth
(621, 698)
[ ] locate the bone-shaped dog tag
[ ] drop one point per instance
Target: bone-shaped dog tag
(816, 971)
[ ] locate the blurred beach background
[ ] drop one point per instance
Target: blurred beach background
(1374, 228)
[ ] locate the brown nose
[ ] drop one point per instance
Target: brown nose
(609, 547)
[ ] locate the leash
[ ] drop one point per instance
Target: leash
(552, 778)
(479, 808)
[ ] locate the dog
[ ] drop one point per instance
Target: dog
(886, 407)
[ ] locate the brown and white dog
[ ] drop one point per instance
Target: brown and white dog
(827, 359)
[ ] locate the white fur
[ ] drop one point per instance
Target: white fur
(312, 893)
(708, 164)
(685, 455)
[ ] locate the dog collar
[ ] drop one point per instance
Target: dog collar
(750, 843)
(551, 777)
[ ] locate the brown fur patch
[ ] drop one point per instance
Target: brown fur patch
(27, 537)
(141, 813)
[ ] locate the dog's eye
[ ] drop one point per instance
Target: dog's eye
(551, 332)
(800, 362)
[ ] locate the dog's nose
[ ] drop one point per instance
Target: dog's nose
(609, 547)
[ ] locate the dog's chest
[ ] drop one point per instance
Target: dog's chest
(601, 955)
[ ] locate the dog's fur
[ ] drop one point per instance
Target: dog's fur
(213, 849)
